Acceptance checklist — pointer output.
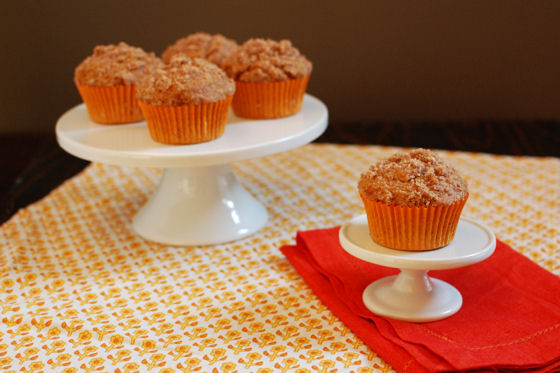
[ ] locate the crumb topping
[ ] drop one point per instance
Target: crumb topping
(214, 48)
(260, 60)
(185, 81)
(112, 65)
(416, 178)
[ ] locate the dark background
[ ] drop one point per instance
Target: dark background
(374, 60)
(464, 75)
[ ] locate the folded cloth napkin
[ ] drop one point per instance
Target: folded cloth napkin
(510, 318)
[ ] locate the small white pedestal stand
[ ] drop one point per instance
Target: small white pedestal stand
(413, 295)
(199, 200)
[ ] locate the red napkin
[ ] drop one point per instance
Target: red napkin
(510, 318)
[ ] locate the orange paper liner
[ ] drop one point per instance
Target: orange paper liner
(111, 105)
(186, 124)
(269, 100)
(412, 228)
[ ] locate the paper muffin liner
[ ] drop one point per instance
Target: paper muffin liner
(412, 228)
(186, 124)
(269, 100)
(111, 105)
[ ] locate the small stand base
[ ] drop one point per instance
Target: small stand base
(412, 296)
(199, 206)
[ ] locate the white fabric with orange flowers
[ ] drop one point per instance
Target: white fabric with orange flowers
(81, 292)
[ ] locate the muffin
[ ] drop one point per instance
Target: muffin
(413, 200)
(270, 76)
(213, 48)
(107, 81)
(186, 101)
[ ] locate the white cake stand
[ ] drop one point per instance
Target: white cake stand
(413, 295)
(199, 200)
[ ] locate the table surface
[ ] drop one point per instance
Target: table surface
(81, 290)
(34, 164)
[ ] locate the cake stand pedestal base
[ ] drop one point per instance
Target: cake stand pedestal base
(412, 296)
(199, 201)
(199, 206)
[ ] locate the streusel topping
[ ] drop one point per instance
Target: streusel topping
(214, 48)
(185, 81)
(416, 178)
(112, 65)
(260, 60)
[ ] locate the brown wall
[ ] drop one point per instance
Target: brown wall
(373, 60)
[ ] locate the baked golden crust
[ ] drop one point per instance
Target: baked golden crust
(265, 60)
(416, 178)
(185, 81)
(214, 48)
(112, 65)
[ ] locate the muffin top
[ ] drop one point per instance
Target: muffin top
(112, 65)
(185, 81)
(416, 178)
(214, 48)
(260, 60)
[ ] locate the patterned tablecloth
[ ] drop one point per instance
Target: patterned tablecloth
(81, 292)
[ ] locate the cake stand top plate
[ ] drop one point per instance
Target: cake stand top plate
(473, 243)
(131, 144)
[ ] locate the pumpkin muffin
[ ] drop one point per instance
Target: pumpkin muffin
(186, 101)
(413, 200)
(271, 78)
(214, 48)
(107, 81)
